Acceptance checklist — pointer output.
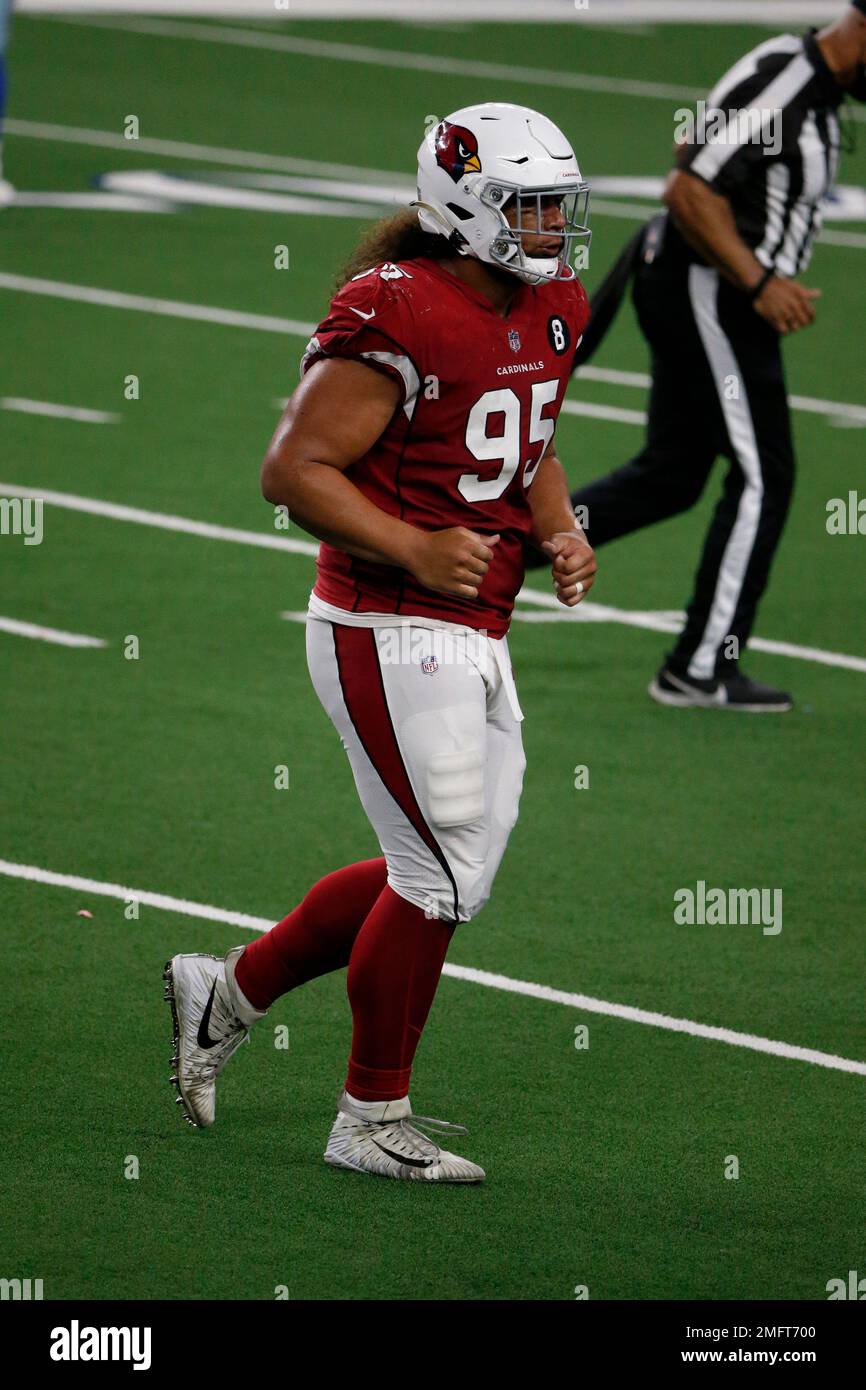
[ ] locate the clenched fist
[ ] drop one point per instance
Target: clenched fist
(453, 561)
(573, 566)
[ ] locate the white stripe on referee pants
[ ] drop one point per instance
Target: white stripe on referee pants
(703, 291)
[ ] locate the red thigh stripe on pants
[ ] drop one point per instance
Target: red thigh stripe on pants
(364, 695)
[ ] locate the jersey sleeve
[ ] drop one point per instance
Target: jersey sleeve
(370, 320)
(754, 121)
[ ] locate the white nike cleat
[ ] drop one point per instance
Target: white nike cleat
(391, 1146)
(211, 1019)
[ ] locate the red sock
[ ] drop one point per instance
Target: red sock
(314, 939)
(394, 969)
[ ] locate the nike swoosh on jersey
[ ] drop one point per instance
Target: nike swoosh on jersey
(203, 1039)
(401, 1158)
(361, 314)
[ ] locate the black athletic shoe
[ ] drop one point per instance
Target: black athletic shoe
(735, 692)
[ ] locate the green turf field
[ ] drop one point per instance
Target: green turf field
(606, 1165)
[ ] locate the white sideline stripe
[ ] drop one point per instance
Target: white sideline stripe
(30, 873)
(614, 14)
(592, 612)
(328, 49)
(59, 412)
(403, 59)
(268, 323)
(49, 634)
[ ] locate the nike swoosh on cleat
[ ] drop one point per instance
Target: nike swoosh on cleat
(203, 1039)
(401, 1158)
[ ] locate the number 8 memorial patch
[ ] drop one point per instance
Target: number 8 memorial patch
(558, 335)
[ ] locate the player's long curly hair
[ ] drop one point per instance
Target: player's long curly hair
(396, 238)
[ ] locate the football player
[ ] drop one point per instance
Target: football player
(419, 450)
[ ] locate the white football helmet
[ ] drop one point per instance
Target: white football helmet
(475, 160)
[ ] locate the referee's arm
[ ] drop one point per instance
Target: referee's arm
(705, 219)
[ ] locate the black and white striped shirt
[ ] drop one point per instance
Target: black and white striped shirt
(785, 87)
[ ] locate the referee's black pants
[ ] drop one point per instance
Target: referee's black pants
(717, 388)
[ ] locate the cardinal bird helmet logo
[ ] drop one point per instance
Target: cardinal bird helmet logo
(456, 150)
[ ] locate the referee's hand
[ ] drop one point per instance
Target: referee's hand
(786, 305)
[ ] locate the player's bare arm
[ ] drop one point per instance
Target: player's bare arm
(556, 532)
(332, 420)
(706, 220)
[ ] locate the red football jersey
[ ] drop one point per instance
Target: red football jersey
(480, 395)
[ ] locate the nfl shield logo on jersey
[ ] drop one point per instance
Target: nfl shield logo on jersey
(514, 340)
(429, 665)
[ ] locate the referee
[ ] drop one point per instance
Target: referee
(715, 291)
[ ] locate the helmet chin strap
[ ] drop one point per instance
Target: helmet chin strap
(540, 271)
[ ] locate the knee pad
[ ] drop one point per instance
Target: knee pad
(455, 787)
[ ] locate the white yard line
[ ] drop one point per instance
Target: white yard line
(203, 154)
(49, 634)
(174, 189)
(268, 323)
(147, 304)
(604, 412)
(586, 612)
(91, 202)
(856, 240)
(385, 186)
(812, 405)
(114, 511)
(59, 412)
(589, 612)
(582, 1002)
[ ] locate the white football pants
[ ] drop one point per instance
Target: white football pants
(430, 721)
